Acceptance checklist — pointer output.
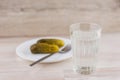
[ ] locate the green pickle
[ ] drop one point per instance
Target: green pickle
(44, 48)
(57, 42)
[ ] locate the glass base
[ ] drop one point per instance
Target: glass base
(85, 70)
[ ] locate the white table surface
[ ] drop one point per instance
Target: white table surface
(14, 68)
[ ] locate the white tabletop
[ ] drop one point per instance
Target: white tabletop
(14, 68)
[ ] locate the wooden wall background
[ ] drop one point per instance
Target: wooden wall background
(53, 17)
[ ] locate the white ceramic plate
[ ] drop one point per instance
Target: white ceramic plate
(23, 51)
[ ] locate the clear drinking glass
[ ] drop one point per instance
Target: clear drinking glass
(85, 45)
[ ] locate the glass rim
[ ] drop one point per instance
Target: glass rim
(97, 26)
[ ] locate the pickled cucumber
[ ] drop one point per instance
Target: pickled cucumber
(57, 42)
(44, 48)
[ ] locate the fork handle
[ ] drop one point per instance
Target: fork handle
(41, 59)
